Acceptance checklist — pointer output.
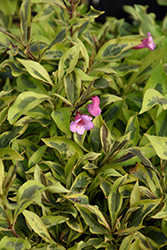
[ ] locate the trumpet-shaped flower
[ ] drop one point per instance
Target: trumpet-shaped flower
(81, 123)
(146, 43)
(93, 108)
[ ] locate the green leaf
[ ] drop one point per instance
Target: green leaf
(80, 140)
(84, 77)
(90, 168)
(112, 113)
(55, 53)
(162, 213)
(2, 175)
(10, 154)
(147, 192)
(16, 70)
(126, 67)
(91, 156)
(61, 117)
(3, 115)
(162, 2)
(106, 139)
(129, 230)
(161, 121)
(60, 36)
(28, 189)
(157, 80)
(63, 99)
(151, 98)
(164, 226)
(84, 54)
(107, 99)
(11, 175)
(14, 243)
(57, 170)
(36, 223)
(95, 133)
(5, 40)
(24, 203)
(36, 70)
(86, 93)
(159, 144)
(56, 188)
(71, 163)
(135, 194)
(149, 62)
(115, 200)
(144, 207)
(125, 245)
(72, 85)
(51, 221)
(107, 70)
(37, 113)
(102, 81)
(27, 82)
(75, 224)
(68, 61)
(23, 103)
(7, 137)
(154, 239)
(57, 3)
(64, 146)
(143, 157)
(37, 156)
(93, 218)
(106, 171)
(80, 183)
(119, 145)
(134, 245)
(115, 47)
(133, 127)
(25, 20)
(149, 177)
(94, 13)
(77, 198)
(95, 242)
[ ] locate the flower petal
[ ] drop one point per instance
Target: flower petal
(81, 123)
(73, 126)
(93, 108)
(80, 130)
(146, 43)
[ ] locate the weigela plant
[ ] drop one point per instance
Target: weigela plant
(83, 113)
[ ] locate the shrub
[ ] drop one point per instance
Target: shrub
(103, 186)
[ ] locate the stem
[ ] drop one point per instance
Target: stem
(71, 11)
(31, 56)
(12, 36)
(103, 161)
(11, 227)
(14, 233)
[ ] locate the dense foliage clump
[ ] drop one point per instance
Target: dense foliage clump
(83, 114)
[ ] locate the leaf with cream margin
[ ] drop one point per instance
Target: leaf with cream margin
(159, 144)
(151, 98)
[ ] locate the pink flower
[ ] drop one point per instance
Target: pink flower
(81, 123)
(146, 43)
(93, 108)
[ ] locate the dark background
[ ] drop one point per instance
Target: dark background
(115, 8)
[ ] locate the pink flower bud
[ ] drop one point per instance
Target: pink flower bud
(81, 123)
(146, 43)
(93, 108)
